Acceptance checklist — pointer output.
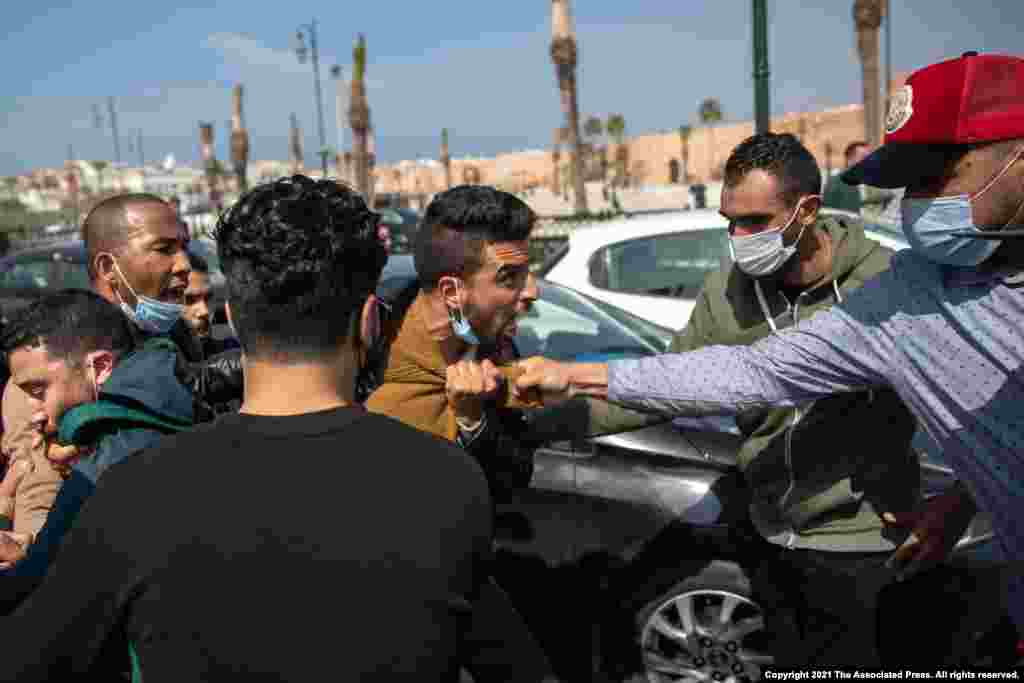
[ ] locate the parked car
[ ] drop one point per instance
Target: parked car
(603, 521)
(33, 273)
(654, 265)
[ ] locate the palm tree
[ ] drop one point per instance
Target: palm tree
(239, 140)
(563, 54)
(616, 127)
(593, 128)
(206, 152)
(709, 113)
(685, 131)
(99, 167)
(556, 158)
(446, 159)
(867, 15)
(295, 145)
(359, 117)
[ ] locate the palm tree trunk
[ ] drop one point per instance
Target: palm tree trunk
(867, 16)
(868, 43)
(563, 54)
(567, 85)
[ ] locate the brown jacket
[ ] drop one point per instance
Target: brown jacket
(37, 490)
(413, 388)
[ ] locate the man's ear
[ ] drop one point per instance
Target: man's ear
(809, 210)
(102, 362)
(369, 322)
(103, 266)
(451, 291)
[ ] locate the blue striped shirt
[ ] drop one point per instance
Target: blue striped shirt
(950, 341)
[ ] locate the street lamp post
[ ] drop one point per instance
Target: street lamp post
(762, 108)
(300, 52)
(339, 111)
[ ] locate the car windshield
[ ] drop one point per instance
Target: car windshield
(566, 325)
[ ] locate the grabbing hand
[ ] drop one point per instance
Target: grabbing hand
(61, 458)
(548, 376)
(935, 529)
(467, 384)
(12, 548)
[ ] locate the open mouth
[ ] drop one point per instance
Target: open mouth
(174, 295)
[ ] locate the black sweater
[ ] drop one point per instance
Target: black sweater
(338, 544)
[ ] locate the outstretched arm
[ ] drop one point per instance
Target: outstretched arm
(831, 353)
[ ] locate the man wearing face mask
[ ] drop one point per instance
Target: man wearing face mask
(138, 261)
(820, 474)
(447, 339)
(941, 326)
(443, 341)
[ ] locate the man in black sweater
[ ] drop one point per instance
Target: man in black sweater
(299, 538)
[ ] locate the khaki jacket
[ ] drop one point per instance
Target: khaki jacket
(37, 490)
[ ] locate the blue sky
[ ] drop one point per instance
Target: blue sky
(479, 68)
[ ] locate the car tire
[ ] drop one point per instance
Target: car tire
(705, 627)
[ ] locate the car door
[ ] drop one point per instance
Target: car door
(657, 277)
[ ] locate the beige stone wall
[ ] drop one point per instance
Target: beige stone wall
(649, 155)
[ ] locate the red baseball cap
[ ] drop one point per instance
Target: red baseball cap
(973, 98)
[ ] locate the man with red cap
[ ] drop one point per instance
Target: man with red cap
(942, 326)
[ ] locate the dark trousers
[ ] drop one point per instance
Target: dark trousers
(823, 606)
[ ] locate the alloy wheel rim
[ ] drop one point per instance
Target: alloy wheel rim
(705, 635)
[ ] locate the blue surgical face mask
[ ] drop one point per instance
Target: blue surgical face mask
(929, 224)
(152, 315)
(460, 324)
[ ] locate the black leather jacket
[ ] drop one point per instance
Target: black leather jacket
(216, 382)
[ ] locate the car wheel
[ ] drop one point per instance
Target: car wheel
(705, 628)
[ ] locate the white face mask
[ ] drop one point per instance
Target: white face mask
(764, 253)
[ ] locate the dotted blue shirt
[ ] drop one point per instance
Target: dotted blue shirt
(950, 341)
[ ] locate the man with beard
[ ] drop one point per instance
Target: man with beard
(447, 338)
(941, 327)
(444, 340)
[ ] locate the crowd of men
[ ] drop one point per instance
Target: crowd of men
(316, 494)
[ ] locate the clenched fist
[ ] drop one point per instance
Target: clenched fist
(468, 384)
(549, 376)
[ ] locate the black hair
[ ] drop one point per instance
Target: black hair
(71, 323)
(853, 147)
(783, 156)
(197, 262)
(459, 222)
(300, 257)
